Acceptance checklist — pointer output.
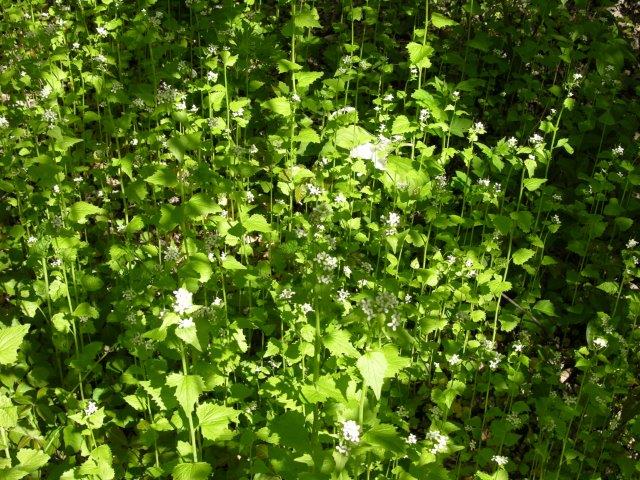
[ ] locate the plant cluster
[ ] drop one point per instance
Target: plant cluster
(347, 239)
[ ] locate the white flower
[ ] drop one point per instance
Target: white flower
(217, 302)
(306, 308)
(500, 460)
(455, 359)
(440, 441)
(342, 449)
(295, 97)
(393, 220)
(512, 142)
(313, 190)
(286, 294)
(91, 408)
(393, 324)
(102, 31)
(212, 77)
(632, 243)
(340, 198)
(518, 347)
(250, 197)
(4, 123)
(618, 151)
(183, 300)
(347, 271)
(31, 240)
(368, 151)
(411, 439)
(600, 342)
(343, 295)
(351, 431)
(536, 139)
(186, 323)
(388, 97)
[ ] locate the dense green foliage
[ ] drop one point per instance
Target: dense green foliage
(344, 239)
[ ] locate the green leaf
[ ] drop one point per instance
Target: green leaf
(201, 205)
(163, 177)
(352, 136)
(498, 286)
(532, 184)
(279, 105)
(31, 460)
(304, 79)
(395, 363)
(135, 225)
(546, 307)
(189, 335)
(213, 421)
(440, 21)
(99, 463)
(338, 342)
(401, 125)
(372, 367)
(385, 437)
(256, 223)
(608, 287)
(419, 54)
(192, 471)
(79, 211)
(521, 255)
(285, 66)
(91, 283)
(291, 430)
(10, 341)
(8, 413)
(230, 263)
(181, 144)
(85, 310)
(188, 389)
(308, 135)
(308, 18)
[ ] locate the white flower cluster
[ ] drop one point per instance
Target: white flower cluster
(383, 303)
(183, 301)
(186, 323)
(286, 294)
(369, 151)
(600, 342)
(326, 261)
(536, 140)
(439, 442)
(477, 129)
(501, 460)
(91, 408)
(351, 431)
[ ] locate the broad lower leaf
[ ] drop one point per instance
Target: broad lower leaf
(10, 341)
(188, 389)
(372, 367)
